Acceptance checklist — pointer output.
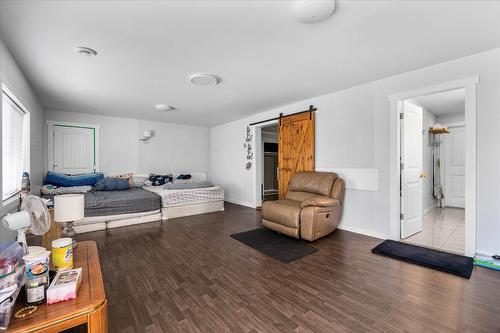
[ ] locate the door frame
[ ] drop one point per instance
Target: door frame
(259, 160)
(50, 141)
(470, 86)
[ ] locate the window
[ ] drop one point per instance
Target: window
(15, 143)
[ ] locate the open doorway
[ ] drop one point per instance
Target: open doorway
(269, 173)
(433, 170)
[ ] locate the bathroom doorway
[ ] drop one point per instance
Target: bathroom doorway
(433, 167)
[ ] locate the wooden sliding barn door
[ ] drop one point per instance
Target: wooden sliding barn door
(295, 148)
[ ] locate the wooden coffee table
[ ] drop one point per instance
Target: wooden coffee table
(89, 307)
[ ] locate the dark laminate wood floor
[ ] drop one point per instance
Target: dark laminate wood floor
(188, 275)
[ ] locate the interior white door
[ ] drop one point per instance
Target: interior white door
(411, 170)
(73, 150)
(454, 167)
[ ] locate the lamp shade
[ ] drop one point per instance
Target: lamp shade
(69, 207)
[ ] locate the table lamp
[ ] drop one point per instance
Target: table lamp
(67, 209)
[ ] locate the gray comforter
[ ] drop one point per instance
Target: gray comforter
(133, 200)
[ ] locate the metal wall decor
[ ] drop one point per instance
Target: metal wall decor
(248, 146)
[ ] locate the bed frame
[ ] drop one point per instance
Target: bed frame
(94, 223)
(188, 210)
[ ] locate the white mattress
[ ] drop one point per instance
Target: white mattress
(194, 196)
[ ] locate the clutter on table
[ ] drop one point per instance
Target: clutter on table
(26, 268)
(11, 279)
(26, 273)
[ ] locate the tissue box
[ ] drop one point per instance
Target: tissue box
(64, 286)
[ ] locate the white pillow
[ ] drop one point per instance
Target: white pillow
(138, 180)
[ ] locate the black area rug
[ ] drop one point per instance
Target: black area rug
(278, 246)
(442, 261)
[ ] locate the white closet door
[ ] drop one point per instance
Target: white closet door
(411, 171)
(454, 161)
(73, 150)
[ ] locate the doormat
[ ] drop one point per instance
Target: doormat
(439, 260)
(273, 244)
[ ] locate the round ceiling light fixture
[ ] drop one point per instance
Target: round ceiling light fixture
(86, 51)
(313, 11)
(164, 107)
(204, 79)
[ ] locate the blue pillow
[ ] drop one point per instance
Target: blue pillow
(112, 184)
(60, 179)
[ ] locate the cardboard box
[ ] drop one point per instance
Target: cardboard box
(64, 286)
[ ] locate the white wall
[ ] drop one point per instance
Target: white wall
(353, 130)
(13, 78)
(451, 118)
(173, 148)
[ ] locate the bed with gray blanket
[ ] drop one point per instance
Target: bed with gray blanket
(112, 209)
(133, 200)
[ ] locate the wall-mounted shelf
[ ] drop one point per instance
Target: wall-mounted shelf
(438, 130)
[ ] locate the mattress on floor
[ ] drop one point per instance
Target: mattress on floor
(117, 217)
(194, 196)
(133, 200)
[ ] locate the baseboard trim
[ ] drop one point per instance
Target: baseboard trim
(240, 203)
(363, 232)
(484, 253)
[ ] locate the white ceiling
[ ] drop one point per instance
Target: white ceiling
(148, 49)
(448, 102)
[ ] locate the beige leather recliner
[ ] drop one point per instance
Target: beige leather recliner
(311, 209)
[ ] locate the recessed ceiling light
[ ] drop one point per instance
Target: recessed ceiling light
(85, 51)
(203, 79)
(313, 11)
(164, 107)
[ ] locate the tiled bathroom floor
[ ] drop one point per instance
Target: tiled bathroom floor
(443, 228)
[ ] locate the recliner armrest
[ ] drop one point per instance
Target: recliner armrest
(319, 202)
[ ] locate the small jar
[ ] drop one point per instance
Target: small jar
(36, 288)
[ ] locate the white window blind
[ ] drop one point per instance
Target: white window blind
(14, 145)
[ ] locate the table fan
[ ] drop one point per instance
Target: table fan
(34, 216)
